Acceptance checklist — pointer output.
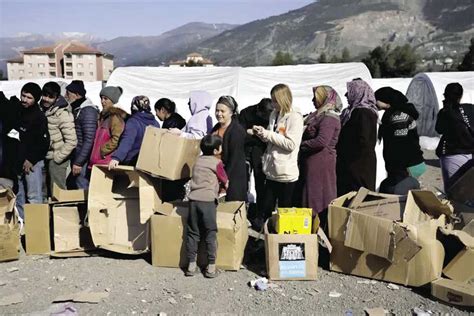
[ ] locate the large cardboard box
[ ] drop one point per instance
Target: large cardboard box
(120, 204)
(453, 292)
(388, 238)
(289, 256)
(59, 228)
(461, 194)
(9, 227)
(168, 233)
(166, 155)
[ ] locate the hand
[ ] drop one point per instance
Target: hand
(113, 164)
(175, 131)
(250, 131)
(76, 170)
(259, 131)
(27, 167)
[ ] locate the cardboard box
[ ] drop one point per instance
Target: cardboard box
(453, 292)
(375, 241)
(61, 195)
(168, 233)
(9, 227)
(168, 156)
(459, 254)
(58, 228)
(290, 257)
(120, 204)
(294, 221)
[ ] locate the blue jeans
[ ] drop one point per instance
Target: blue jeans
(80, 181)
(30, 188)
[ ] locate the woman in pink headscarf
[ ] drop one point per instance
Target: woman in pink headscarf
(318, 151)
(356, 159)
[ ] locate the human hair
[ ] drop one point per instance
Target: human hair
(453, 92)
(209, 143)
(166, 104)
(230, 102)
(51, 89)
(281, 94)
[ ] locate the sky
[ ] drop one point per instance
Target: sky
(111, 18)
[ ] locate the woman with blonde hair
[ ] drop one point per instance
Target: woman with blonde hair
(280, 160)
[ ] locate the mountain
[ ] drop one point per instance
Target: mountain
(433, 27)
(140, 50)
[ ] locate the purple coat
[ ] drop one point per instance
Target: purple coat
(318, 161)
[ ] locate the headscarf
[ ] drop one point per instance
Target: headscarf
(328, 98)
(140, 103)
(359, 95)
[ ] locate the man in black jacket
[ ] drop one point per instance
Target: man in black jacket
(86, 115)
(28, 134)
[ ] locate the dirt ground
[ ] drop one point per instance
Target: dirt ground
(133, 286)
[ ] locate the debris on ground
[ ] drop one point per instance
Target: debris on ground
(12, 299)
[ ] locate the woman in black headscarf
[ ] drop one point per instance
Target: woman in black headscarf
(401, 149)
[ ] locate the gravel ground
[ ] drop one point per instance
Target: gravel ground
(134, 286)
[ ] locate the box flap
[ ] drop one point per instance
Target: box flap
(423, 206)
(61, 195)
(459, 248)
(364, 195)
(9, 227)
(463, 189)
(37, 229)
(380, 237)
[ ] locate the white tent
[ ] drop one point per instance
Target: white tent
(13, 87)
(247, 85)
(426, 93)
(400, 84)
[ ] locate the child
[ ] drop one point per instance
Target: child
(208, 172)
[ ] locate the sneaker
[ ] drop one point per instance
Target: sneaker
(211, 271)
(192, 270)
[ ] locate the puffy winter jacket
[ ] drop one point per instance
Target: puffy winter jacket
(63, 138)
(132, 137)
(86, 115)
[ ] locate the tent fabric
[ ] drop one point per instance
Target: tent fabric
(248, 85)
(13, 87)
(426, 93)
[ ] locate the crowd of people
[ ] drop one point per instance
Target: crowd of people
(296, 160)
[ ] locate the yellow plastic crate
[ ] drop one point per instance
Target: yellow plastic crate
(294, 221)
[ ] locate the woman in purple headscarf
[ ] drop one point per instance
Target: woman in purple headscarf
(356, 159)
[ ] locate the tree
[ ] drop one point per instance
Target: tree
(467, 63)
(384, 62)
(322, 58)
(282, 59)
(346, 55)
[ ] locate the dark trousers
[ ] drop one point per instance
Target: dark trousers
(201, 220)
(281, 191)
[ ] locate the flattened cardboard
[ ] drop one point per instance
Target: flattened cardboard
(459, 248)
(420, 229)
(291, 257)
(463, 189)
(37, 229)
(120, 204)
(61, 195)
(168, 156)
(168, 233)
(9, 227)
(453, 292)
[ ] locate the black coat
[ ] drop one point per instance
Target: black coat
(86, 116)
(457, 130)
(10, 165)
(356, 160)
(401, 143)
(233, 157)
(249, 117)
(174, 121)
(32, 125)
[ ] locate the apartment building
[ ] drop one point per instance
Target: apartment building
(72, 60)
